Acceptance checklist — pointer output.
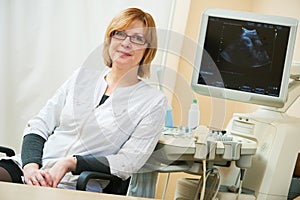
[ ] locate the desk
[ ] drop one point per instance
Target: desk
(12, 191)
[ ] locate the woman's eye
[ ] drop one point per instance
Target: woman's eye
(121, 34)
(139, 38)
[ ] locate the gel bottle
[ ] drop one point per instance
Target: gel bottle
(194, 116)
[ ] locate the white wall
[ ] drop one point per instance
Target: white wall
(3, 64)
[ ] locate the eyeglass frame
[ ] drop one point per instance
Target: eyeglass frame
(130, 37)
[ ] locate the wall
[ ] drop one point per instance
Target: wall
(290, 8)
(216, 112)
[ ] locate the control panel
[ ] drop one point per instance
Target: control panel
(205, 144)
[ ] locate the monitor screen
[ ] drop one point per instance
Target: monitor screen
(244, 57)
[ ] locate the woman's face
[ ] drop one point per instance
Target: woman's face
(126, 53)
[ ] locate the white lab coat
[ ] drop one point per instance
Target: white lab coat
(125, 128)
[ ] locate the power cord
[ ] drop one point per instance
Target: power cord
(243, 172)
(203, 180)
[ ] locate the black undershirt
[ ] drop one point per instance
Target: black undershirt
(103, 99)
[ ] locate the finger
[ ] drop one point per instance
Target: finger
(28, 182)
(54, 178)
(40, 179)
(47, 177)
(54, 183)
(34, 181)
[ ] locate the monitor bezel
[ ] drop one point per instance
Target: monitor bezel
(242, 96)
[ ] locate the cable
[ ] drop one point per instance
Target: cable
(243, 171)
(215, 185)
(212, 183)
(204, 180)
(198, 188)
(166, 185)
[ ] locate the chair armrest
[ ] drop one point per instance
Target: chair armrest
(7, 151)
(85, 176)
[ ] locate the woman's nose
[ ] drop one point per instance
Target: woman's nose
(126, 42)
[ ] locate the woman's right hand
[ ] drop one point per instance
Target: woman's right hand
(35, 176)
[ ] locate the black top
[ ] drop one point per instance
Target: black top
(103, 99)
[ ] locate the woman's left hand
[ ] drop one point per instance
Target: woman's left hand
(60, 168)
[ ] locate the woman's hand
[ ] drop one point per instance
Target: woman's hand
(35, 176)
(60, 168)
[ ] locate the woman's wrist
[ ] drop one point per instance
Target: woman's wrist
(72, 162)
(31, 165)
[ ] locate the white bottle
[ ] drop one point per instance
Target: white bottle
(194, 116)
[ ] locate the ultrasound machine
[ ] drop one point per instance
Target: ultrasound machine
(244, 57)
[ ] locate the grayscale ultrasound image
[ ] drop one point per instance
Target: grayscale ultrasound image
(247, 50)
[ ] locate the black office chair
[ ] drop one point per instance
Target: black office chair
(115, 186)
(8, 151)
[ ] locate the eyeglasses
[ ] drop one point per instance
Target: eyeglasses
(135, 39)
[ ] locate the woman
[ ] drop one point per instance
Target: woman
(74, 132)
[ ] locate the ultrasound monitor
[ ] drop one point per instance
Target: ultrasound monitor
(244, 57)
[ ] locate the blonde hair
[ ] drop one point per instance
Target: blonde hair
(123, 20)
